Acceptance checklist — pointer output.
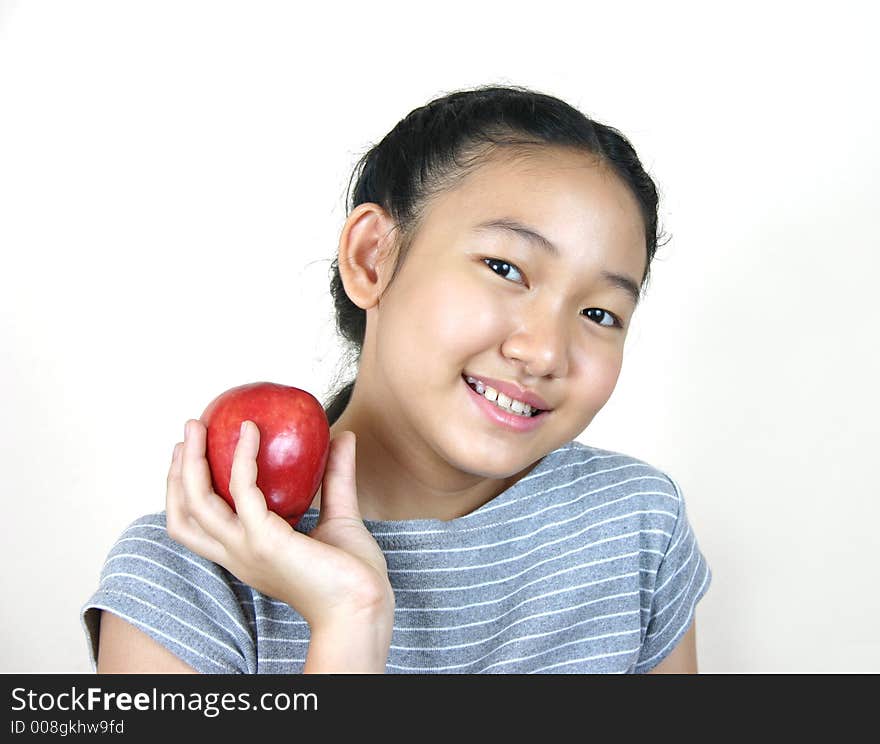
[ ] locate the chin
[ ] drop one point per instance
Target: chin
(489, 463)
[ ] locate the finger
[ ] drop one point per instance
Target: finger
(210, 511)
(174, 469)
(339, 487)
(179, 525)
(249, 500)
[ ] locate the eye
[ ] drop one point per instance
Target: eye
(598, 312)
(594, 313)
(501, 267)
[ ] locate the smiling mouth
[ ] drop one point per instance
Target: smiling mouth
(534, 411)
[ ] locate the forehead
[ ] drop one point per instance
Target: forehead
(573, 199)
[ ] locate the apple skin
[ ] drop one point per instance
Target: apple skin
(294, 443)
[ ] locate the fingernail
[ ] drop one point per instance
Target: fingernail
(243, 429)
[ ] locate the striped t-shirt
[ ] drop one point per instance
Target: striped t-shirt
(587, 564)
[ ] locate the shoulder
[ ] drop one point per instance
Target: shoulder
(614, 498)
(632, 498)
(609, 476)
(146, 552)
(633, 506)
(603, 498)
(182, 600)
(145, 548)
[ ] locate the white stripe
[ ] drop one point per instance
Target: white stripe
(270, 639)
(184, 556)
(164, 612)
(510, 661)
(672, 602)
(582, 496)
(150, 628)
(510, 577)
(684, 565)
(532, 567)
(520, 556)
(671, 552)
(532, 496)
(495, 635)
(264, 660)
(524, 586)
(544, 472)
(569, 536)
(688, 619)
(556, 648)
(185, 581)
(221, 579)
(279, 603)
(516, 607)
(499, 581)
(439, 649)
(284, 622)
(527, 535)
(589, 546)
(585, 658)
(548, 471)
(540, 579)
(136, 577)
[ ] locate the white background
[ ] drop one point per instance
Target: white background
(172, 180)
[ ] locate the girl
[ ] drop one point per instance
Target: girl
(496, 246)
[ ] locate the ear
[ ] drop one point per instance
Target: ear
(365, 254)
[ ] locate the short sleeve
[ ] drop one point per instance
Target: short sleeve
(185, 602)
(683, 577)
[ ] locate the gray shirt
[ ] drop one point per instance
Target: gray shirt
(588, 564)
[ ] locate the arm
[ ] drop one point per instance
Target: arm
(683, 659)
(123, 649)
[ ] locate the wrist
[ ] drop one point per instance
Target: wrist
(354, 642)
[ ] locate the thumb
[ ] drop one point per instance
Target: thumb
(339, 488)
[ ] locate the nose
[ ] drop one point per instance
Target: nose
(540, 342)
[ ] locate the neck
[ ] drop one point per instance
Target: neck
(400, 479)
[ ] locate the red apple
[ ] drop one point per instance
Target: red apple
(294, 443)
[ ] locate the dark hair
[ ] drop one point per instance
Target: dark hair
(437, 145)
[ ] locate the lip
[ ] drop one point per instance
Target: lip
(509, 420)
(512, 391)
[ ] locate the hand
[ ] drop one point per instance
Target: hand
(335, 572)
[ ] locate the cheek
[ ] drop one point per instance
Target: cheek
(599, 371)
(419, 337)
(446, 320)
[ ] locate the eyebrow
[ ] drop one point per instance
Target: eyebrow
(619, 281)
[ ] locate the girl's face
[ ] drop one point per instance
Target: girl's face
(491, 302)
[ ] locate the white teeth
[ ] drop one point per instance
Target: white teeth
(500, 399)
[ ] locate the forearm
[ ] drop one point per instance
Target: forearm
(357, 644)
